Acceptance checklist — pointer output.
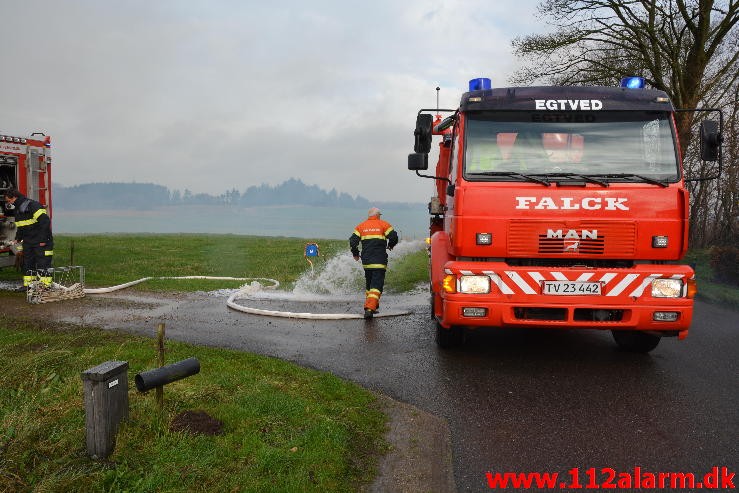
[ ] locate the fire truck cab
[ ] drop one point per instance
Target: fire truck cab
(559, 207)
(25, 164)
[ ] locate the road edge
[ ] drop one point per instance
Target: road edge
(420, 455)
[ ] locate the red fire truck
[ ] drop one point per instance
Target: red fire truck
(25, 164)
(560, 207)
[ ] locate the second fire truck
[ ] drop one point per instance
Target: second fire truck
(25, 164)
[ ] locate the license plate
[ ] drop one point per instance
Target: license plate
(571, 288)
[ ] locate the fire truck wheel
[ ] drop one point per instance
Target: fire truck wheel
(635, 341)
(449, 338)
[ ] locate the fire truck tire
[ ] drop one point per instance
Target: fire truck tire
(635, 341)
(449, 338)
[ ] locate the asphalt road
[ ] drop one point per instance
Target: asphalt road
(516, 401)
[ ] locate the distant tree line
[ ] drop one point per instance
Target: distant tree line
(295, 192)
(148, 195)
(110, 196)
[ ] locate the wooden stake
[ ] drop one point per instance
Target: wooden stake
(160, 360)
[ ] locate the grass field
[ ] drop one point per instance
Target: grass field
(286, 429)
(115, 259)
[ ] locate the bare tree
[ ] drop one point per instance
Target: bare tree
(726, 208)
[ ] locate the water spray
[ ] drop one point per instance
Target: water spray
(339, 280)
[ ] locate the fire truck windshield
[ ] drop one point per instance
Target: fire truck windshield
(501, 145)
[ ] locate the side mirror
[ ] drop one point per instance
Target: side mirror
(423, 133)
(710, 140)
(418, 161)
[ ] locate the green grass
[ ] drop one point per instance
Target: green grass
(110, 260)
(408, 272)
(286, 428)
(708, 289)
(115, 259)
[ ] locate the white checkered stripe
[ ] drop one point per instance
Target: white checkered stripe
(529, 282)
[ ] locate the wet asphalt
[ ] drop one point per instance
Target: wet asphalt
(518, 401)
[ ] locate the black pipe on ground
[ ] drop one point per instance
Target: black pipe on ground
(167, 374)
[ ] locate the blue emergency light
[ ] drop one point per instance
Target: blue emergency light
(480, 84)
(633, 82)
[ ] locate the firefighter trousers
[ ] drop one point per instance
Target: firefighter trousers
(37, 261)
(375, 280)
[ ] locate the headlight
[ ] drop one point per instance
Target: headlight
(667, 288)
(474, 284)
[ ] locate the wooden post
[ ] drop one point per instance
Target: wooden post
(71, 255)
(106, 405)
(160, 360)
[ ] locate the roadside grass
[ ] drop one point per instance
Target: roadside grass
(119, 258)
(408, 272)
(285, 428)
(708, 288)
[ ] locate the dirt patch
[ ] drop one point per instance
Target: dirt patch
(196, 423)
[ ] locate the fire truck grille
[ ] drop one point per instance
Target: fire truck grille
(557, 238)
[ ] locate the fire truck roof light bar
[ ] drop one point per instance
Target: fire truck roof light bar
(633, 82)
(480, 84)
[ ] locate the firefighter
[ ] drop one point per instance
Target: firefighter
(33, 236)
(376, 237)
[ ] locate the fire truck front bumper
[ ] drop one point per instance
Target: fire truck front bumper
(638, 299)
(667, 319)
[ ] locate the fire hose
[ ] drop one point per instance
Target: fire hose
(247, 291)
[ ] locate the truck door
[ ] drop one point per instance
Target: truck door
(8, 179)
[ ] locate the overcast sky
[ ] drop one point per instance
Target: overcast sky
(214, 95)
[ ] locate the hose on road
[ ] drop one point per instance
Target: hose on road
(246, 292)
